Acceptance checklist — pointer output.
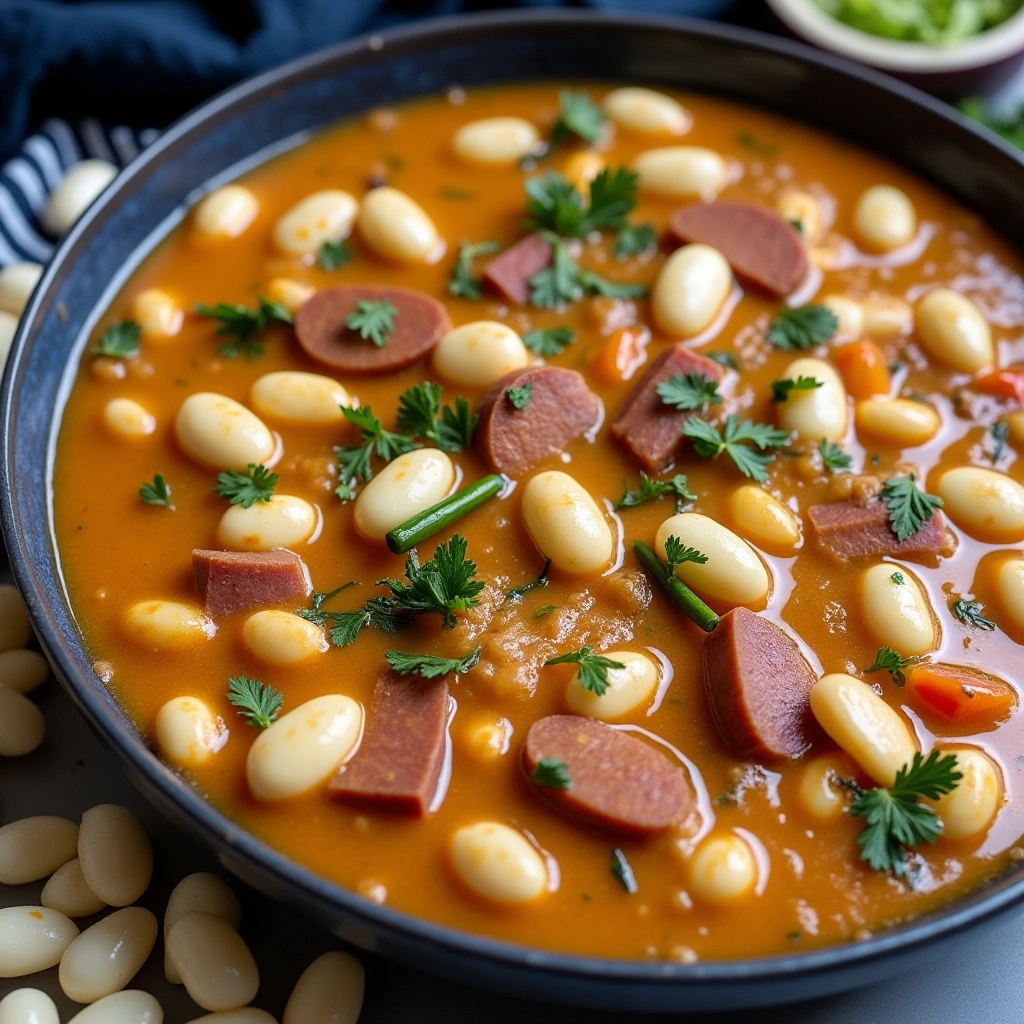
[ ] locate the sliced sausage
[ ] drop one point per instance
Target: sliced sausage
(650, 429)
(231, 581)
(510, 272)
(320, 326)
(760, 246)
(399, 761)
(758, 685)
(852, 529)
(616, 781)
(560, 408)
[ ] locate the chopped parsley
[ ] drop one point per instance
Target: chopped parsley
(520, 397)
(551, 341)
(553, 203)
(577, 115)
(726, 359)
(563, 282)
(735, 440)
(243, 325)
(969, 613)
(622, 872)
(373, 320)
(462, 282)
(676, 553)
(689, 391)
(156, 493)
(833, 458)
(355, 460)
(649, 489)
(344, 627)
(801, 327)
(334, 255)
(120, 341)
(593, 668)
(516, 594)
(1000, 433)
(633, 240)
(909, 507)
(888, 660)
(552, 773)
(420, 415)
(782, 388)
(429, 666)
(898, 578)
(254, 486)
(258, 703)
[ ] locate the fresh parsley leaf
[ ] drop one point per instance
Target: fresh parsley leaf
(969, 613)
(429, 666)
(552, 773)
(895, 819)
(156, 493)
(554, 204)
(833, 458)
(888, 660)
(455, 431)
(594, 284)
(782, 388)
(254, 486)
(373, 319)
(545, 610)
(1000, 433)
(355, 460)
(613, 194)
(655, 489)
(244, 325)
(119, 341)
(676, 553)
(420, 415)
(726, 359)
(689, 391)
(462, 282)
(344, 627)
(734, 440)
(634, 239)
(801, 327)
(258, 703)
(334, 255)
(577, 115)
(898, 578)
(520, 397)
(622, 872)
(593, 668)
(909, 507)
(551, 341)
(557, 285)
(516, 594)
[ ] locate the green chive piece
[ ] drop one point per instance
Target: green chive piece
(425, 524)
(679, 594)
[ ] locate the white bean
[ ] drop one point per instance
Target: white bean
(304, 747)
(129, 1007)
(17, 282)
(23, 671)
(818, 795)
(628, 690)
(167, 625)
(75, 193)
(495, 140)
(409, 484)
(330, 991)
(245, 1015)
(488, 739)
(8, 325)
(897, 610)
(283, 522)
(282, 638)
(733, 573)
(647, 112)
(477, 354)
(849, 313)
(1010, 587)
(566, 524)
(985, 503)
(200, 891)
(952, 330)
(157, 314)
(325, 216)
(128, 419)
(860, 722)
(67, 892)
(226, 212)
(498, 863)
(115, 854)
(35, 847)
(396, 227)
(188, 733)
(221, 433)
(15, 630)
(818, 412)
(682, 172)
(886, 316)
(291, 294)
(897, 421)
(884, 218)
(296, 397)
(215, 964)
(22, 727)
(32, 939)
(764, 519)
(723, 869)
(690, 289)
(971, 808)
(803, 211)
(105, 957)
(28, 1006)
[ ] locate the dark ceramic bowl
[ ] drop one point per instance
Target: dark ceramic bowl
(277, 111)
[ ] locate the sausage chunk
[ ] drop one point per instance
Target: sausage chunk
(758, 685)
(560, 408)
(510, 273)
(231, 581)
(760, 246)
(851, 529)
(650, 429)
(616, 781)
(399, 761)
(419, 324)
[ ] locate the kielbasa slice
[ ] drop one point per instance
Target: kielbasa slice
(231, 581)
(760, 246)
(616, 781)
(758, 685)
(650, 429)
(320, 325)
(853, 529)
(399, 761)
(561, 407)
(510, 272)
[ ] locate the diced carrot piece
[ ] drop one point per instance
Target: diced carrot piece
(962, 695)
(1002, 384)
(864, 370)
(618, 358)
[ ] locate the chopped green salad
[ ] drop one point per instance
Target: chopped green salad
(940, 22)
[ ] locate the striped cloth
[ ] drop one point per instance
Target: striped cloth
(27, 179)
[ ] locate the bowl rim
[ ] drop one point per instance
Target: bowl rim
(808, 20)
(217, 830)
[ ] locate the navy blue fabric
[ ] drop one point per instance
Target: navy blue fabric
(143, 62)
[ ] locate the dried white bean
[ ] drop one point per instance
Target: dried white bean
(23, 671)
(22, 727)
(32, 939)
(115, 854)
(28, 1006)
(75, 193)
(17, 282)
(105, 957)
(33, 848)
(201, 891)
(15, 630)
(215, 964)
(330, 991)
(69, 893)
(129, 1007)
